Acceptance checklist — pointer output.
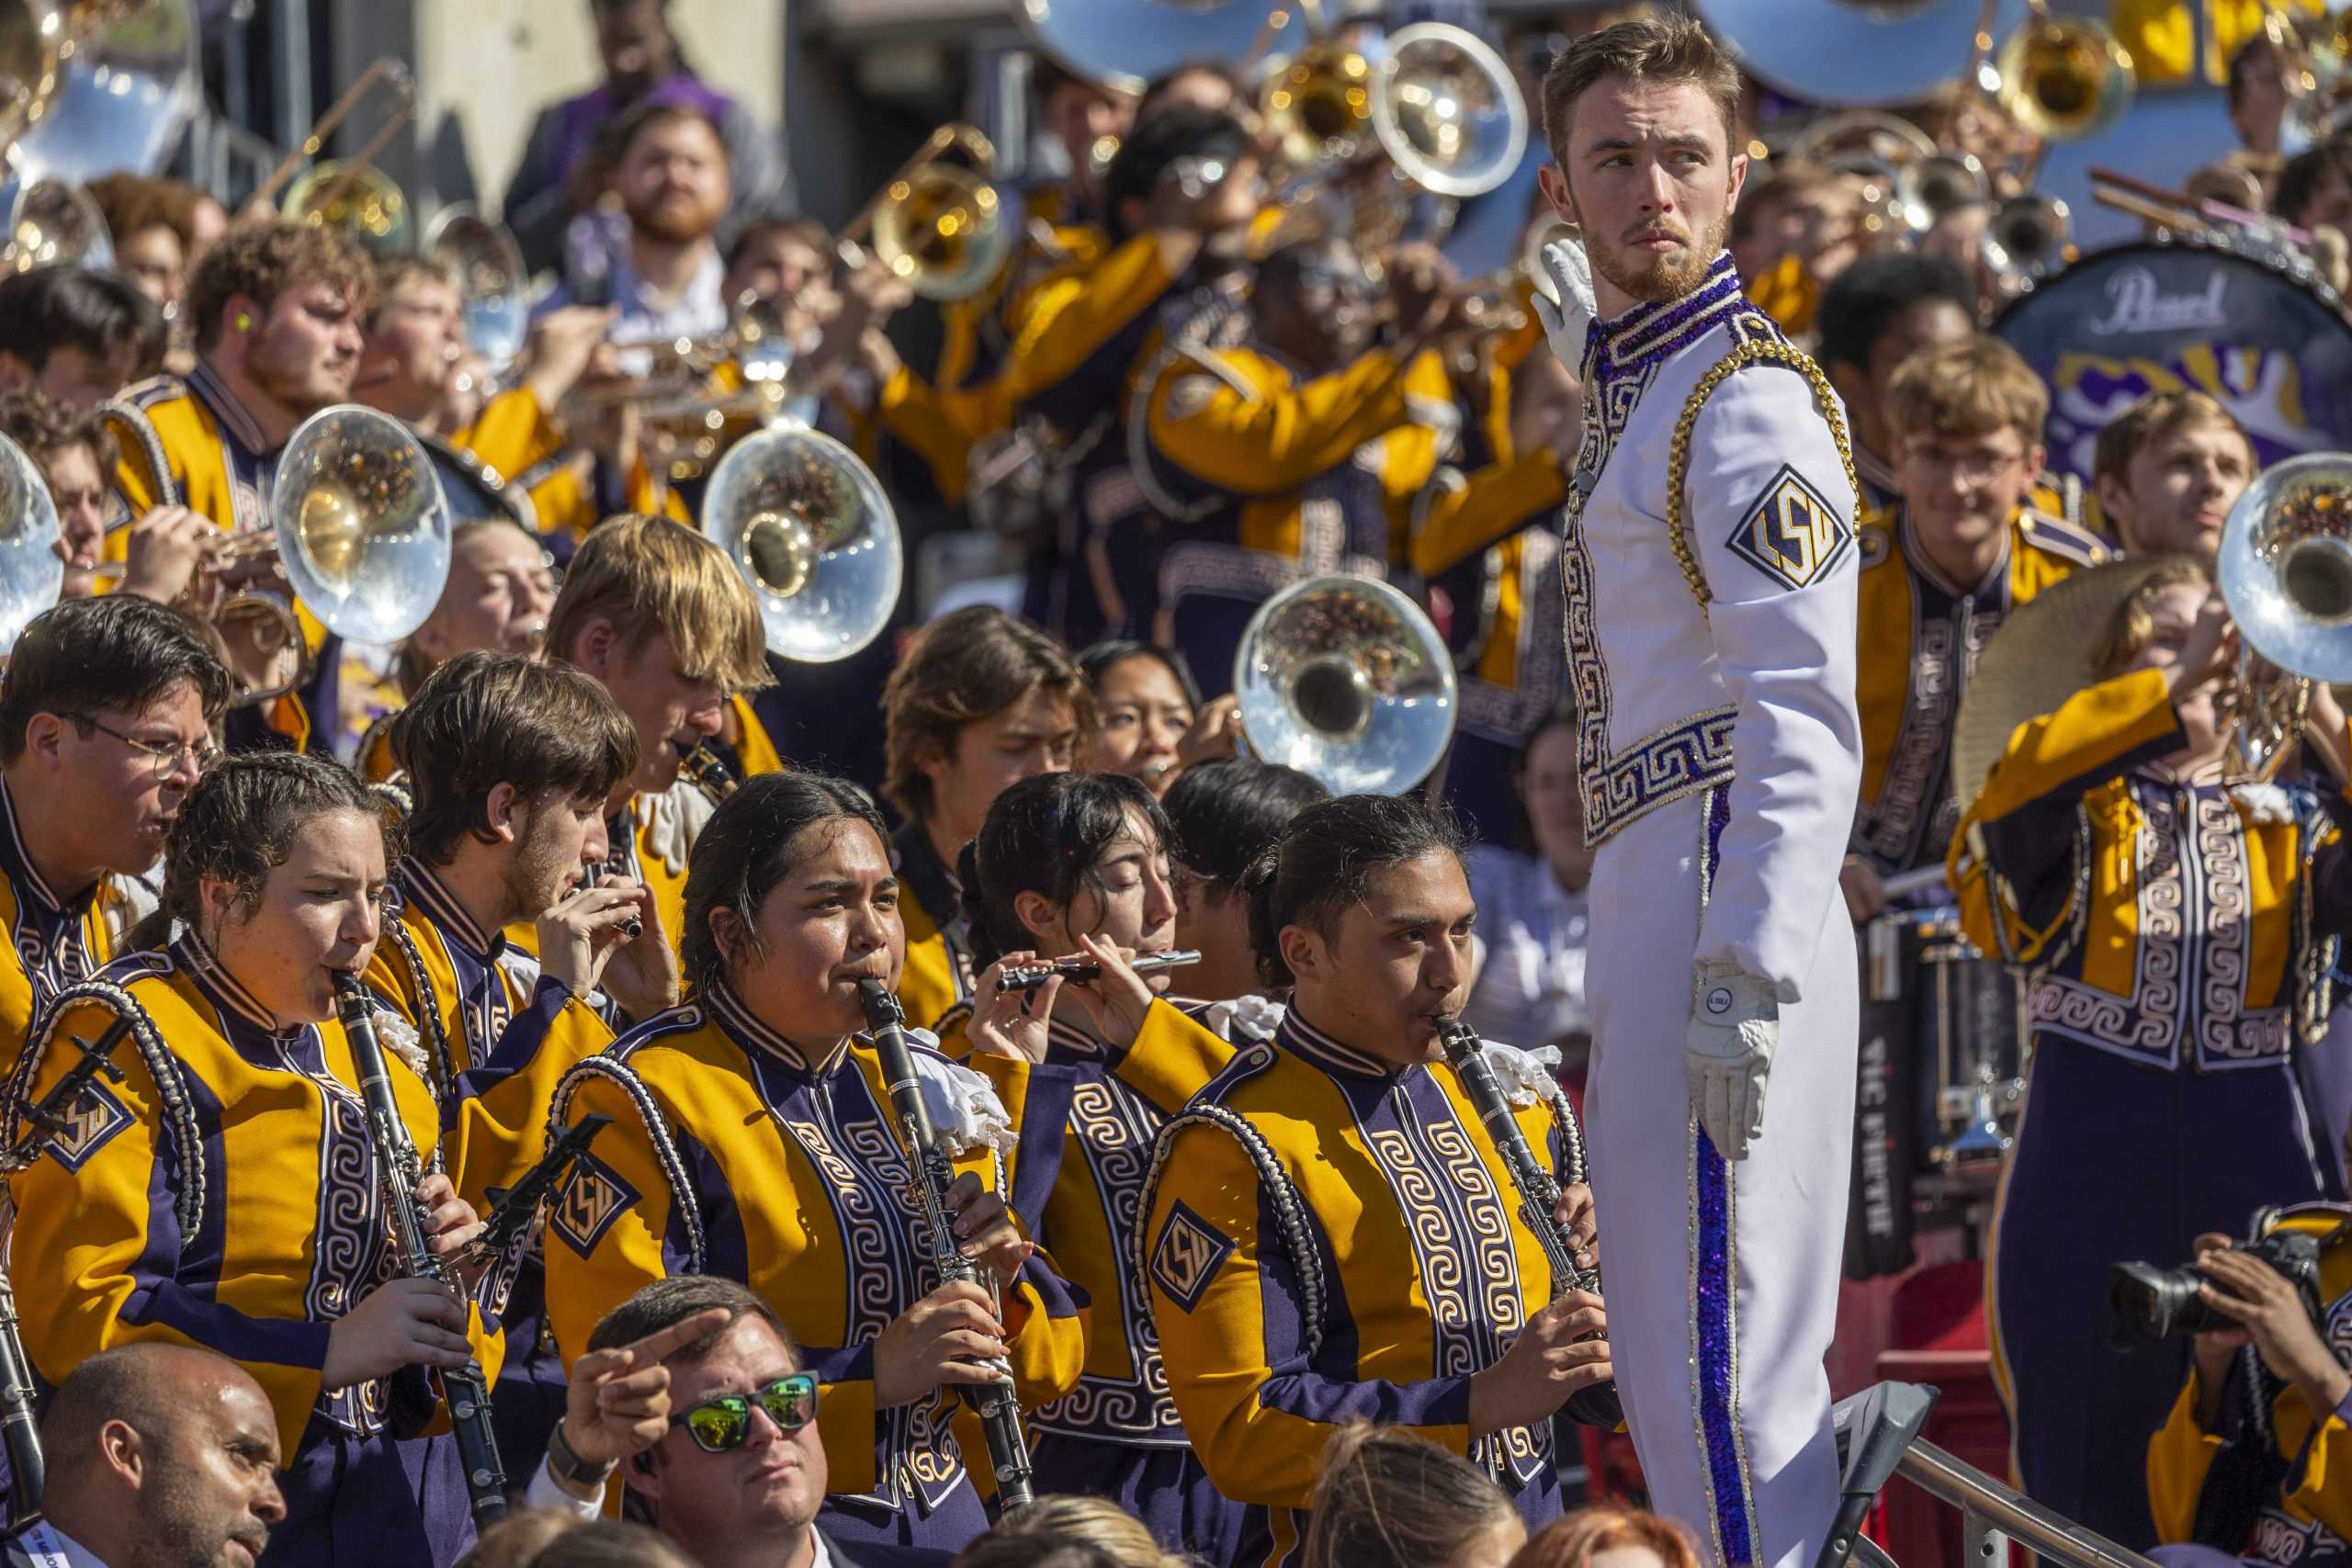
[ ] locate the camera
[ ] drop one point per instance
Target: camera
(2147, 1304)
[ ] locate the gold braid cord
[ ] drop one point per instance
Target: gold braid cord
(1677, 460)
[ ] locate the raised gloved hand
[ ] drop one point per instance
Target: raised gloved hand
(1570, 275)
(1734, 1024)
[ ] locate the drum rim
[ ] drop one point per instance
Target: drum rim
(2277, 260)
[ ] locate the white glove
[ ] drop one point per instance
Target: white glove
(1567, 307)
(1734, 1024)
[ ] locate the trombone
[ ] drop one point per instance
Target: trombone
(351, 194)
(939, 226)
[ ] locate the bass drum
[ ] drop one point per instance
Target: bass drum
(2254, 327)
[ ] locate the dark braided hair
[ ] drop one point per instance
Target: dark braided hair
(1326, 859)
(1045, 835)
(240, 822)
(747, 848)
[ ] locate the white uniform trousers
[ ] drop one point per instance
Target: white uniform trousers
(1721, 1277)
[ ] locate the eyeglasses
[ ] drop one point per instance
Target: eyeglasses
(722, 1424)
(166, 754)
(1969, 467)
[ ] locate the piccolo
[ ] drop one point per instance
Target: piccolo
(595, 874)
(1028, 977)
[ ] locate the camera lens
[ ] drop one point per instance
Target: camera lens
(2147, 1304)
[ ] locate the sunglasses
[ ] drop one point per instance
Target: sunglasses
(723, 1423)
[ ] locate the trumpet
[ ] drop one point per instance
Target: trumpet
(939, 226)
(2026, 232)
(351, 194)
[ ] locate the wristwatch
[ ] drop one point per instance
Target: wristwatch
(569, 1469)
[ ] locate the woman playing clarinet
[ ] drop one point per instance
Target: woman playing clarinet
(224, 1192)
(755, 1137)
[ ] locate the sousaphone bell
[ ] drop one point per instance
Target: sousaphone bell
(360, 524)
(2285, 570)
(810, 528)
(1344, 679)
(1125, 43)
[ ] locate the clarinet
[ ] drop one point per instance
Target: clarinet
(27, 1470)
(1539, 1191)
(398, 1169)
(998, 1410)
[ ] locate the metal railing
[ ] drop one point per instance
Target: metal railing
(1993, 1515)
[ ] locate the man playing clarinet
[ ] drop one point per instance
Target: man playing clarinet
(1709, 567)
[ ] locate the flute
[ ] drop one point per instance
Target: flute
(27, 1470)
(998, 1410)
(397, 1171)
(1539, 1191)
(1028, 977)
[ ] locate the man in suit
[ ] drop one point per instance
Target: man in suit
(157, 1453)
(724, 1478)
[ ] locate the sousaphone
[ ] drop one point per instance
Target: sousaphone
(809, 526)
(1346, 680)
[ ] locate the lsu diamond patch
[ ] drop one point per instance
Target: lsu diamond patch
(590, 1200)
(1186, 1257)
(1791, 533)
(92, 1123)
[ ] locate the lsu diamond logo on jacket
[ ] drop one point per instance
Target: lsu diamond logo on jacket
(591, 1198)
(1187, 1256)
(92, 1123)
(1791, 535)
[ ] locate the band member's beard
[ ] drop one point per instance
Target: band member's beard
(677, 228)
(1655, 279)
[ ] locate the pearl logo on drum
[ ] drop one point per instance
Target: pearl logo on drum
(2142, 306)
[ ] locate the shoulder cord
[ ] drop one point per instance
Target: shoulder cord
(1678, 461)
(1189, 340)
(1290, 1210)
(2315, 956)
(665, 1148)
(128, 416)
(1571, 1133)
(428, 1008)
(171, 1086)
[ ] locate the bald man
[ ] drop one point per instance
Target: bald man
(157, 1454)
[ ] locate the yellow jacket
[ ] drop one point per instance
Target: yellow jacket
(734, 1152)
(223, 1193)
(54, 940)
(1919, 638)
(2306, 1523)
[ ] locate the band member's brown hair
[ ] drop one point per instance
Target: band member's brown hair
(262, 261)
(960, 669)
(44, 427)
(115, 653)
(2160, 416)
(1325, 861)
(1648, 49)
(648, 575)
(2131, 623)
(1390, 1499)
(1574, 1539)
(240, 822)
(488, 718)
(1974, 386)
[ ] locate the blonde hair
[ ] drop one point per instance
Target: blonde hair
(1386, 1498)
(1971, 387)
(1049, 1523)
(648, 575)
(2160, 416)
(1574, 1539)
(2132, 622)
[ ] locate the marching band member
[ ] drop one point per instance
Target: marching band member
(1223, 815)
(509, 764)
(105, 721)
(664, 621)
(277, 309)
(1712, 658)
(78, 337)
(754, 1139)
(1150, 722)
(979, 701)
(1963, 548)
(224, 1191)
(1295, 452)
(1874, 317)
(1078, 863)
(2177, 928)
(1329, 1232)
(75, 452)
(2168, 468)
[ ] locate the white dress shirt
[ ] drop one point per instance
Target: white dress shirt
(1530, 992)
